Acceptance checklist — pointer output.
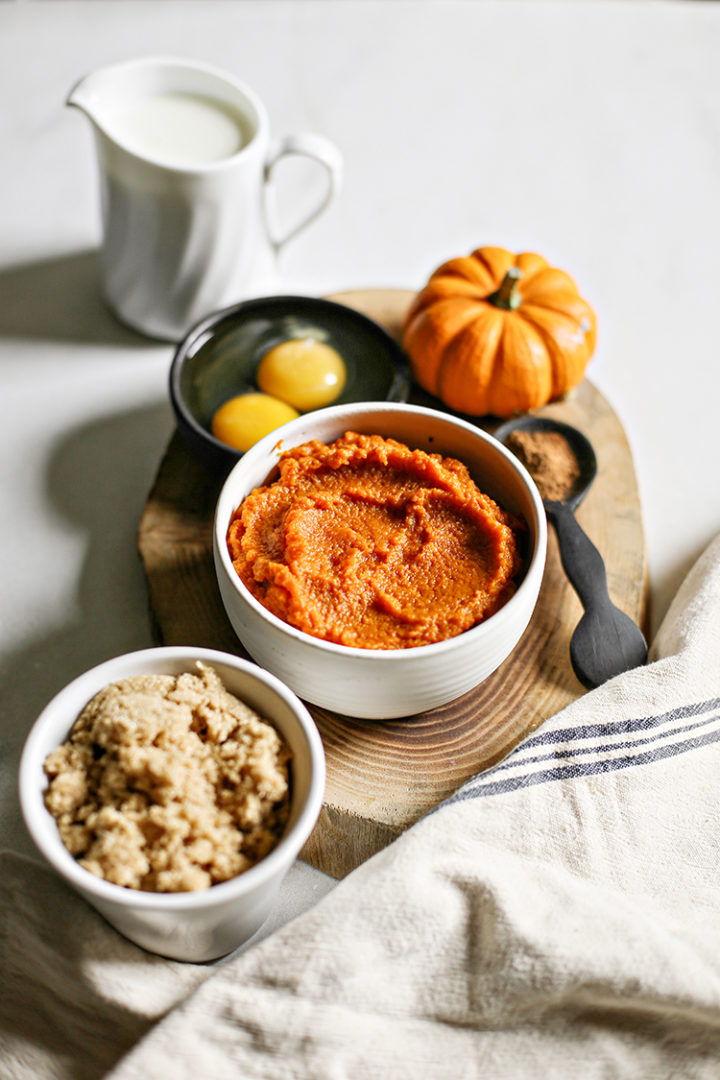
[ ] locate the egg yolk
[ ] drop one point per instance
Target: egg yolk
(244, 419)
(303, 372)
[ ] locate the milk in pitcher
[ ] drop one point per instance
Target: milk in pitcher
(181, 130)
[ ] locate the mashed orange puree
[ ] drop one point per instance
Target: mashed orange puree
(367, 543)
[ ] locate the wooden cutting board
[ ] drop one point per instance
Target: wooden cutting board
(383, 776)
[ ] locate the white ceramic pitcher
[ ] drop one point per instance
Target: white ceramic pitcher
(185, 165)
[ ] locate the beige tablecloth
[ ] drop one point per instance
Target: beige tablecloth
(559, 916)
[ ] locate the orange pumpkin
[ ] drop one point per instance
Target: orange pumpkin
(497, 333)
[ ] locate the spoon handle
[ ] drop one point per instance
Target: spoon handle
(582, 562)
(606, 641)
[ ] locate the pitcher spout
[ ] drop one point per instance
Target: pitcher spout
(87, 96)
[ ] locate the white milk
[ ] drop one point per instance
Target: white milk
(180, 129)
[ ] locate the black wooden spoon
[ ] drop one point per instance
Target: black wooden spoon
(606, 641)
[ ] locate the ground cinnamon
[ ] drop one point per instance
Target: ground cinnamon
(550, 460)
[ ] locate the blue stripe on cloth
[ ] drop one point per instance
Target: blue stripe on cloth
(484, 785)
(518, 760)
(592, 731)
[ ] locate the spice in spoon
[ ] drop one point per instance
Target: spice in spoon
(550, 460)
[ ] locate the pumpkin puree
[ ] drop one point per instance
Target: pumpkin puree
(367, 543)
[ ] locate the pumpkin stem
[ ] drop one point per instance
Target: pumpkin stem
(506, 296)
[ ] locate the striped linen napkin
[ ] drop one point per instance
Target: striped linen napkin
(559, 915)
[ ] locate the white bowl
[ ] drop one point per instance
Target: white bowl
(371, 683)
(192, 926)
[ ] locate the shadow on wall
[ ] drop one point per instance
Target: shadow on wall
(59, 299)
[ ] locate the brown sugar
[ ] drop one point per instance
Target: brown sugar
(550, 460)
(169, 783)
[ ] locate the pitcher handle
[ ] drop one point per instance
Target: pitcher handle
(319, 149)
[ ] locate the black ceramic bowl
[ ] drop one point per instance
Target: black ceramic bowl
(219, 357)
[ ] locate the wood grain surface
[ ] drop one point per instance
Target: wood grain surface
(383, 776)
